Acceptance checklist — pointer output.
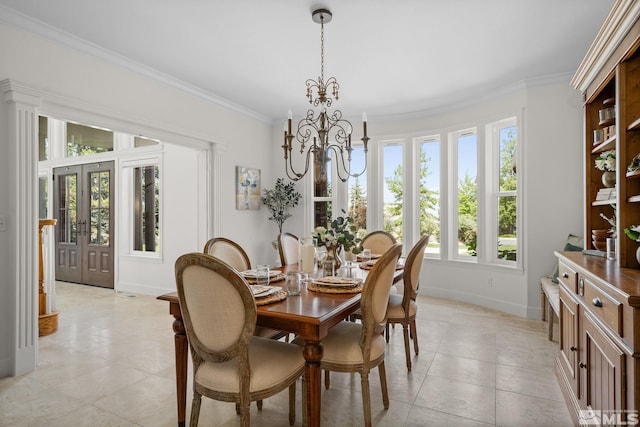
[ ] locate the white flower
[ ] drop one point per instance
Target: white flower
(606, 161)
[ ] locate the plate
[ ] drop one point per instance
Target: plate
(252, 273)
(373, 256)
(342, 282)
(260, 291)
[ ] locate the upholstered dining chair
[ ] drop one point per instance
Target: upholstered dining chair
(288, 247)
(232, 253)
(229, 363)
(403, 308)
(359, 347)
(378, 241)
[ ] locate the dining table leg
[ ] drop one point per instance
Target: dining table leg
(312, 352)
(181, 350)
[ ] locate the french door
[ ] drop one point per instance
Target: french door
(83, 206)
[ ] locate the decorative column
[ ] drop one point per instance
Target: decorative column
(47, 322)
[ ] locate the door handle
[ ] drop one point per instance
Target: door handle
(84, 227)
(582, 365)
(573, 348)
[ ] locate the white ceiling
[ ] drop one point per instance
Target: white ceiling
(392, 58)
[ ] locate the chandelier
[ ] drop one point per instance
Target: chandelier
(324, 134)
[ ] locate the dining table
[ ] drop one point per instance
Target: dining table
(309, 316)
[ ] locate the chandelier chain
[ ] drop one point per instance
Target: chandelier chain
(321, 49)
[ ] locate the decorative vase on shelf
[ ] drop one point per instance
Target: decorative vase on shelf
(638, 254)
(609, 179)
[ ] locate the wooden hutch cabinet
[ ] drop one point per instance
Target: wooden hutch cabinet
(598, 365)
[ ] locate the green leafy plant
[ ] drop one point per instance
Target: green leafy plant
(340, 233)
(280, 200)
(633, 232)
(606, 161)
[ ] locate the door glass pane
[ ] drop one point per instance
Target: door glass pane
(467, 194)
(99, 208)
(43, 197)
(146, 208)
(358, 190)
(43, 138)
(393, 188)
(83, 140)
(430, 194)
(68, 208)
(507, 232)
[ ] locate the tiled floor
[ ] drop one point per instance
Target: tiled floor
(111, 364)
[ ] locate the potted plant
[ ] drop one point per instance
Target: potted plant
(606, 162)
(280, 200)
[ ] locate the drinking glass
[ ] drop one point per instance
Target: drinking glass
(294, 283)
(366, 255)
(262, 274)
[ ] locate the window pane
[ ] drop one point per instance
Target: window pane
(507, 232)
(467, 195)
(146, 208)
(139, 141)
(321, 213)
(43, 197)
(83, 140)
(358, 190)
(430, 194)
(43, 139)
(99, 208)
(322, 188)
(393, 198)
(68, 208)
(507, 178)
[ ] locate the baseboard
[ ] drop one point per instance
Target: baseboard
(492, 303)
(5, 368)
(137, 288)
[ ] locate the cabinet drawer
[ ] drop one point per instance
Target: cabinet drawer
(568, 276)
(602, 305)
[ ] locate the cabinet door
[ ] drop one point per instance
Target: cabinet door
(568, 327)
(602, 367)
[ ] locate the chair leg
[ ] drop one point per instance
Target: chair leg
(326, 379)
(259, 404)
(414, 332)
(543, 304)
(292, 403)
(366, 398)
(195, 409)
(550, 310)
(386, 331)
(383, 384)
(407, 349)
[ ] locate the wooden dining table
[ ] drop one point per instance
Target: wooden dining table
(309, 316)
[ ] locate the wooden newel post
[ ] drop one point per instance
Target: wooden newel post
(47, 322)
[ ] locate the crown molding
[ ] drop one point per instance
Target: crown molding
(621, 18)
(49, 32)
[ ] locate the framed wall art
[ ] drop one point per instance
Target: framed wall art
(247, 188)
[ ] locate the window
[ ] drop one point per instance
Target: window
(357, 188)
(322, 191)
(393, 176)
(466, 145)
(504, 245)
(146, 198)
(429, 192)
(84, 140)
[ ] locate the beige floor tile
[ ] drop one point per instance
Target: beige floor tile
(111, 364)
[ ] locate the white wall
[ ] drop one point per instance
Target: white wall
(74, 85)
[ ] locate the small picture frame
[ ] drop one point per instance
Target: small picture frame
(247, 188)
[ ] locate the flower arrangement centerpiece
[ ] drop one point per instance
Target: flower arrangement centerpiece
(338, 236)
(633, 232)
(606, 162)
(280, 200)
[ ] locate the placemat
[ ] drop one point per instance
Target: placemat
(333, 289)
(278, 278)
(274, 297)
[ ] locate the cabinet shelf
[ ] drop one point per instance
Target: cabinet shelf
(607, 122)
(609, 101)
(634, 174)
(605, 202)
(635, 125)
(634, 199)
(608, 144)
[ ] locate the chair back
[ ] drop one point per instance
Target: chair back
(412, 268)
(288, 247)
(218, 309)
(375, 294)
(229, 252)
(378, 241)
